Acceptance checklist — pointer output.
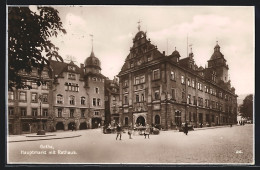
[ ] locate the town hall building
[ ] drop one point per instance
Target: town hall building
(167, 90)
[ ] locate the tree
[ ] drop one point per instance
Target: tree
(28, 41)
(246, 108)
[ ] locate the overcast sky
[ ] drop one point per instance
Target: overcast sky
(114, 27)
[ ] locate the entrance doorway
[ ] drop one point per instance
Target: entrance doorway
(59, 126)
(71, 125)
(83, 126)
(95, 122)
(140, 121)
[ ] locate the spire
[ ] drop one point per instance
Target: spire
(91, 41)
(139, 26)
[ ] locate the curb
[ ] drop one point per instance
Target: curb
(44, 139)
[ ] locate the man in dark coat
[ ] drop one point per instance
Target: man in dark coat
(118, 131)
(186, 128)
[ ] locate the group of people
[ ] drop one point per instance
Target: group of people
(119, 131)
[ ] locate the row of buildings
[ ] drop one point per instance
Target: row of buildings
(153, 88)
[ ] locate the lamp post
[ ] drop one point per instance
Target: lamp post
(40, 130)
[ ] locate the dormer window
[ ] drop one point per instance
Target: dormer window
(71, 68)
(71, 76)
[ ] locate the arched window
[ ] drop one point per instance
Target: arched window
(72, 100)
(59, 99)
(157, 119)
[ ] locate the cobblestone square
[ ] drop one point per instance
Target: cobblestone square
(224, 145)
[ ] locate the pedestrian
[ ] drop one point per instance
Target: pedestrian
(147, 131)
(119, 131)
(72, 127)
(201, 125)
(186, 128)
(130, 131)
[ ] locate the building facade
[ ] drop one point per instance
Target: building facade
(27, 107)
(112, 101)
(166, 90)
(73, 97)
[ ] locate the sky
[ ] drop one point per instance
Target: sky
(114, 27)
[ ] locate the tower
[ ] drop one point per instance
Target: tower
(217, 64)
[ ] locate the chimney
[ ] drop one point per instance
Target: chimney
(164, 53)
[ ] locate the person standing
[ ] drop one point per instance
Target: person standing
(147, 131)
(130, 131)
(119, 131)
(186, 128)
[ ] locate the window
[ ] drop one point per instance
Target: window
(82, 100)
(71, 87)
(183, 96)
(174, 94)
(94, 102)
(182, 80)
(125, 83)
(34, 112)
(190, 116)
(59, 99)
(156, 74)
(189, 99)
(206, 103)
(71, 112)
(96, 90)
(199, 86)
(59, 112)
(71, 68)
(10, 95)
(10, 111)
(142, 79)
(126, 100)
(45, 74)
(131, 64)
(34, 97)
(137, 80)
(71, 76)
(45, 112)
(45, 86)
(193, 83)
(34, 85)
(137, 97)
(172, 75)
(194, 100)
(156, 94)
(82, 112)
(188, 82)
(23, 111)
(45, 98)
(142, 97)
(96, 113)
(217, 106)
(22, 96)
(94, 79)
(211, 91)
(213, 104)
(98, 102)
(72, 100)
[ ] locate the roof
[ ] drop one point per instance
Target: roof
(92, 60)
(217, 54)
(60, 67)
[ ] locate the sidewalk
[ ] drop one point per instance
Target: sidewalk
(47, 136)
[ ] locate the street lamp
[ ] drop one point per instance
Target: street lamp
(40, 130)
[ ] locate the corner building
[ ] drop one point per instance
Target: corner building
(78, 94)
(157, 89)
